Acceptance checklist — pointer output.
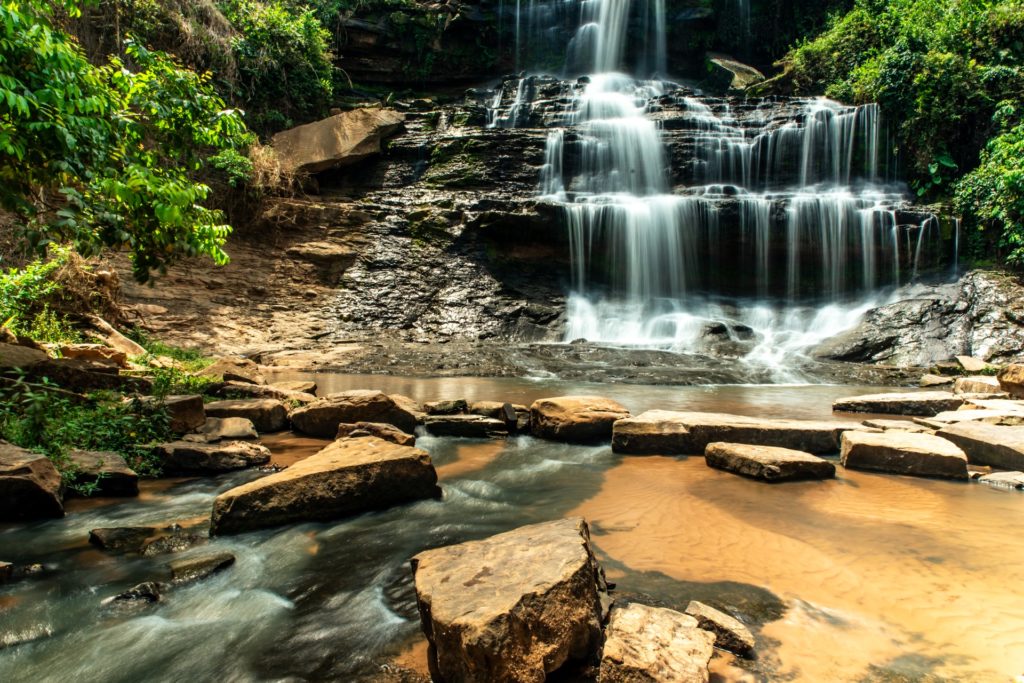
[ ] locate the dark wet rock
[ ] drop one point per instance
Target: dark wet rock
(1004, 480)
(919, 403)
(730, 633)
(30, 486)
(322, 417)
(516, 418)
(185, 457)
(174, 540)
(987, 444)
(20, 357)
(243, 390)
(235, 369)
(346, 477)
(228, 429)
(6, 571)
(576, 419)
(1011, 379)
(105, 470)
(266, 414)
(186, 412)
(377, 429)
(918, 455)
(449, 407)
(660, 432)
(190, 569)
(654, 645)
(468, 426)
(121, 539)
(512, 607)
(140, 595)
(767, 463)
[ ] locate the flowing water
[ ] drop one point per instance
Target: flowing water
(865, 578)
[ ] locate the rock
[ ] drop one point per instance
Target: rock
(266, 414)
(300, 386)
(1004, 480)
(409, 405)
(173, 540)
(121, 539)
(513, 607)
(83, 376)
(987, 444)
(468, 426)
(114, 339)
(30, 486)
(972, 364)
(1001, 404)
(347, 477)
(96, 353)
(731, 75)
(235, 369)
(899, 426)
(452, 407)
(186, 412)
(976, 385)
(681, 433)
(919, 455)
(767, 463)
(228, 429)
(516, 418)
(6, 571)
(935, 381)
(921, 403)
(186, 457)
(235, 389)
(340, 140)
(142, 594)
(322, 417)
(996, 417)
(377, 429)
(730, 633)
(17, 356)
(191, 569)
(654, 645)
(1011, 379)
(578, 419)
(107, 470)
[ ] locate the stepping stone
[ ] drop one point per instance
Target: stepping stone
(920, 403)
(935, 381)
(654, 645)
(971, 364)
(377, 429)
(976, 385)
(30, 486)
(988, 444)
(767, 463)
(899, 426)
(730, 633)
(187, 457)
(228, 429)
(266, 414)
(468, 426)
(453, 407)
(322, 417)
(996, 417)
(575, 419)
(919, 455)
(1004, 480)
(121, 539)
(107, 470)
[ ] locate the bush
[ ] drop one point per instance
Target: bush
(28, 297)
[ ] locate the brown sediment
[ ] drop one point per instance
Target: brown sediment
(471, 457)
(287, 448)
(414, 657)
(873, 567)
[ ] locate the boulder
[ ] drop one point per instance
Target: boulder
(920, 403)
(106, 333)
(468, 426)
(107, 470)
(996, 417)
(681, 433)
(576, 419)
(919, 455)
(730, 633)
(139, 595)
(17, 356)
(347, 477)
(121, 539)
(1002, 404)
(235, 389)
(377, 429)
(186, 412)
(191, 569)
(300, 386)
(187, 457)
(236, 369)
(1011, 379)
(935, 381)
(513, 607)
(730, 75)
(30, 486)
(988, 444)
(767, 463)
(899, 426)
(340, 140)
(322, 417)
(515, 417)
(654, 645)
(266, 414)
(6, 571)
(972, 364)
(83, 376)
(228, 429)
(409, 405)
(173, 539)
(1004, 480)
(456, 406)
(96, 353)
(976, 385)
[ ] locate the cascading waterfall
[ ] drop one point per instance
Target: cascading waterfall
(783, 228)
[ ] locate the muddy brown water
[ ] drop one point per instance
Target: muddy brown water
(865, 578)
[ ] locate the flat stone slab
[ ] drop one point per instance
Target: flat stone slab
(30, 486)
(512, 607)
(918, 403)
(899, 426)
(919, 455)
(266, 414)
(347, 477)
(468, 426)
(988, 444)
(730, 633)
(377, 429)
(228, 429)
(977, 385)
(654, 645)
(1004, 480)
(188, 457)
(322, 417)
(767, 463)
(662, 432)
(996, 417)
(107, 470)
(575, 419)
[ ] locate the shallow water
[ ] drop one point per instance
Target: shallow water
(865, 578)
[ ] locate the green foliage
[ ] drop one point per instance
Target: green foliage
(27, 298)
(110, 155)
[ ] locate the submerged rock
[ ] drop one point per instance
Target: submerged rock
(121, 539)
(576, 419)
(186, 457)
(654, 645)
(513, 607)
(191, 569)
(377, 429)
(137, 596)
(919, 455)
(988, 444)
(767, 463)
(730, 633)
(665, 432)
(347, 477)
(1004, 480)
(30, 486)
(468, 426)
(920, 403)
(266, 414)
(107, 470)
(322, 417)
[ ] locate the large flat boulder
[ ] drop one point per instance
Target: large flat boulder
(512, 607)
(96, 353)
(1011, 379)
(767, 463)
(576, 419)
(996, 417)
(654, 645)
(919, 455)
(976, 385)
(322, 417)
(186, 412)
(919, 403)
(228, 429)
(107, 470)
(988, 444)
(234, 369)
(236, 389)
(468, 426)
(340, 140)
(30, 486)
(665, 432)
(190, 457)
(899, 426)
(266, 414)
(378, 429)
(347, 477)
